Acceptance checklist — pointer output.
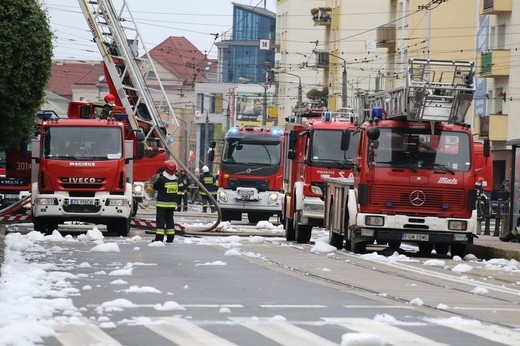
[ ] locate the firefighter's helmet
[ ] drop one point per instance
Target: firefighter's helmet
(170, 166)
(110, 99)
(205, 169)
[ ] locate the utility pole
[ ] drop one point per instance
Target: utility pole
(344, 91)
(264, 105)
(206, 138)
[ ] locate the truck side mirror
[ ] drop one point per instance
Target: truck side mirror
(345, 140)
(139, 136)
(293, 139)
(487, 147)
(373, 133)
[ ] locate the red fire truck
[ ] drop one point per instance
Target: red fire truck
(313, 154)
(14, 185)
(415, 167)
(82, 171)
(250, 177)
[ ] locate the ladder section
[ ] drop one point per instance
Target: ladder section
(436, 90)
(128, 72)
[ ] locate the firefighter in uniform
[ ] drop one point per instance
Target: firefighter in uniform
(167, 186)
(184, 182)
(210, 183)
(110, 102)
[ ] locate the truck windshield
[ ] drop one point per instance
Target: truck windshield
(82, 143)
(325, 149)
(261, 152)
(420, 148)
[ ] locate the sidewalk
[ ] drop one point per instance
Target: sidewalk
(486, 247)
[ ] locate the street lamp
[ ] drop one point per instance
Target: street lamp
(300, 90)
(245, 80)
(343, 82)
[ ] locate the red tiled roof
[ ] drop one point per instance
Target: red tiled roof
(65, 74)
(181, 58)
(176, 54)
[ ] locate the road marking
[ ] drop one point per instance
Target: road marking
(291, 306)
(392, 335)
(183, 332)
(282, 332)
(482, 309)
(447, 277)
(489, 332)
(85, 333)
(184, 306)
(377, 307)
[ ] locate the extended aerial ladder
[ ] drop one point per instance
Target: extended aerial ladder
(128, 71)
(131, 76)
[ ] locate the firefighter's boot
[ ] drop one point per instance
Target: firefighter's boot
(170, 237)
(213, 209)
(158, 237)
(508, 237)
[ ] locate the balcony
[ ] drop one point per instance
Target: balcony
(386, 37)
(496, 6)
(495, 63)
(493, 126)
(321, 16)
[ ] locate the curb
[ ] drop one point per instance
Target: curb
(488, 252)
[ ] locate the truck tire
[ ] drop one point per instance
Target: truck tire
(458, 249)
(289, 230)
(425, 249)
(301, 232)
(335, 240)
(121, 227)
(442, 248)
(255, 218)
(226, 215)
(357, 247)
(43, 226)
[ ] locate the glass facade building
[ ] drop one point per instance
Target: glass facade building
(240, 52)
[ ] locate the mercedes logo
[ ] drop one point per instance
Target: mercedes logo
(417, 198)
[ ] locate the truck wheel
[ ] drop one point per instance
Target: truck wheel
(39, 225)
(120, 227)
(335, 240)
(226, 215)
(425, 248)
(289, 230)
(301, 232)
(135, 207)
(255, 217)
(458, 249)
(357, 247)
(125, 228)
(442, 249)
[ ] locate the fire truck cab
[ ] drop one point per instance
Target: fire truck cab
(250, 177)
(416, 170)
(313, 154)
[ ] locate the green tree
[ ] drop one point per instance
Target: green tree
(25, 65)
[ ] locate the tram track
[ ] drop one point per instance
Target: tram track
(452, 287)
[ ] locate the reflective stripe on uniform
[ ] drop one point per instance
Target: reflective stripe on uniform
(166, 204)
(159, 231)
(170, 231)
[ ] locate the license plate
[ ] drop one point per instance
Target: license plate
(246, 193)
(416, 237)
(74, 201)
(10, 196)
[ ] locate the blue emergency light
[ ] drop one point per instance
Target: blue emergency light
(234, 130)
(377, 113)
(120, 116)
(276, 131)
(44, 115)
(328, 116)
